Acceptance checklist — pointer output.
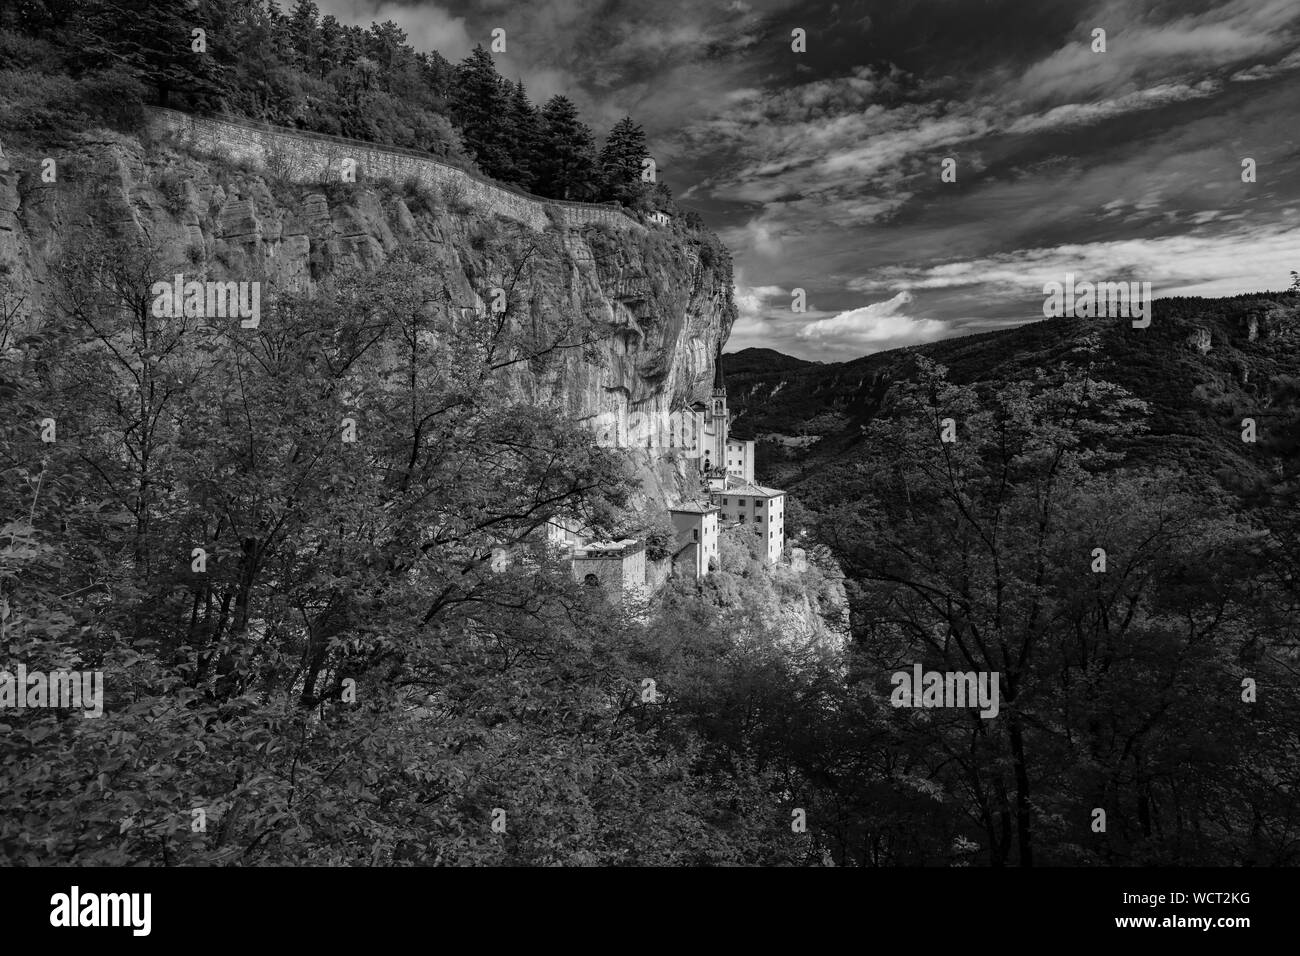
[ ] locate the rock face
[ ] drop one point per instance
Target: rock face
(653, 303)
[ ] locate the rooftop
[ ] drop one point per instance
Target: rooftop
(608, 549)
(694, 507)
(738, 486)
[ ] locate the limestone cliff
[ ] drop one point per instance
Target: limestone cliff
(654, 301)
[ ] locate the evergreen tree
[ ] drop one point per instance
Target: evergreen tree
(331, 45)
(480, 107)
(304, 33)
(154, 39)
(524, 130)
(568, 163)
(620, 161)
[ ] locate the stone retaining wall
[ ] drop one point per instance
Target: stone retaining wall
(313, 157)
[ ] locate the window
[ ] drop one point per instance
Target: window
(695, 534)
(724, 501)
(758, 518)
(591, 581)
(742, 519)
(741, 502)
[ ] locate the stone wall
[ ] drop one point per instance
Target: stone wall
(312, 157)
(617, 573)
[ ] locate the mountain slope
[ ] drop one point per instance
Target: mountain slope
(1203, 366)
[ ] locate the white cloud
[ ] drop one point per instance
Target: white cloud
(1244, 261)
(428, 27)
(873, 328)
(1137, 47)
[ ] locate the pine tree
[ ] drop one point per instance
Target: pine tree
(480, 107)
(153, 38)
(568, 163)
(331, 45)
(524, 129)
(620, 161)
(302, 29)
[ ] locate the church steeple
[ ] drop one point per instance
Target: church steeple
(717, 422)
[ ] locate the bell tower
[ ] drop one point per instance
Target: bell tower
(716, 421)
(719, 391)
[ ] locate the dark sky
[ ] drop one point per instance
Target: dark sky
(821, 170)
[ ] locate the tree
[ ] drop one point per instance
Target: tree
(481, 109)
(1112, 605)
(155, 39)
(524, 129)
(305, 34)
(621, 160)
(568, 165)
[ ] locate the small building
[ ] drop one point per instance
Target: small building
(740, 459)
(616, 566)
(743, 502)
(696, 542)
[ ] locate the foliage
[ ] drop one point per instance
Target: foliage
(567, 165)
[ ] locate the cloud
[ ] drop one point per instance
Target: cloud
(1081, 114)
(428, 26)
(1246, 259)
(1140, 46)
(873, 328)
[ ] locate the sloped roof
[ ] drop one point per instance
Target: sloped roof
(739, 486)
(694, 507)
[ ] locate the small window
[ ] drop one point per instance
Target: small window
(741, 502)
(591, 581)
(742, 519)
(724, 501)
(695, 534)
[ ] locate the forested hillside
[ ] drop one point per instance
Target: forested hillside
(1105, 516)
(1203, 365)
(67, 64)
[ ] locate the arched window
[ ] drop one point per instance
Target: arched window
(591, 581)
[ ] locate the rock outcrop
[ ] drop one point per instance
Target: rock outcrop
(655, 303)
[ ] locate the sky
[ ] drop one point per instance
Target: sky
(822, 170)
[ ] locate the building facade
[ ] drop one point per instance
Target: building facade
(618, 567)
(740, 459)
(696, 547)
(745, 503)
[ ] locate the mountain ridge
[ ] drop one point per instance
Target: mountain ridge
(1203, 365)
